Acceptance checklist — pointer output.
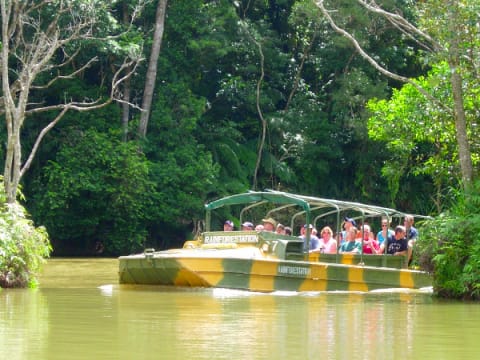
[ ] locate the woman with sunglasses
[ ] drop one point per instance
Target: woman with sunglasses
(385, 233)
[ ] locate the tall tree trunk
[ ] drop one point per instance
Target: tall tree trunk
(14, 105)
(152, 68)
(11, 176)
(464, 152)
(126, 87)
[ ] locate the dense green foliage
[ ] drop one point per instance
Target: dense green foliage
(450, 247)
(225, 68)
(424, 136)
(203, 137)
(23, 247)
(102, 196)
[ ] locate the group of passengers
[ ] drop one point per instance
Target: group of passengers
(394, 242)
(326, 243)
(268, 224)
(399, 241)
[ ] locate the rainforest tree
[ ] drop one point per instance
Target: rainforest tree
(444, 30)
(42, 42)
(97, 203)
(424, 139)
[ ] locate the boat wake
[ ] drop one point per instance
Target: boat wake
(106, 290)
(424, 290)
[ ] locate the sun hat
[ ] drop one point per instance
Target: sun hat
(270, 220)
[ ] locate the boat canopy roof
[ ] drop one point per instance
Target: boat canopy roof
(253, 197)
(307, 204)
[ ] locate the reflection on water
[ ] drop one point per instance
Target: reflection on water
(79, 312)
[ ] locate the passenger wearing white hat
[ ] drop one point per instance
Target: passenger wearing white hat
(228, 225)
(247, 226)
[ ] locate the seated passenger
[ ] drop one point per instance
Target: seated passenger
(411, 235)
(411, 231)
(348, 223)
(228, 225)
(259, 227)
(280, 229)
(370, 245)
(396, 244)
(314, 243)
(269, 224)
(383, 234)
(328, 245)
(247, 226)
(288, 230)
(351, 244)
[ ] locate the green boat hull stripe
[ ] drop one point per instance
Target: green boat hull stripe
(236, 273)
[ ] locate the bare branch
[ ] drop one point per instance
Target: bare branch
(422, 44)
(69, 76)
(375, 64)
(96, 104)
(130, 66)
(76, 105)
(39, 139)
(401, 23)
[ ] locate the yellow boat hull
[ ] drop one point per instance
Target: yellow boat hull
(254, 272)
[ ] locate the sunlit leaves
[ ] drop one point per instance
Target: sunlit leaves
(23, 246)
(417, 131)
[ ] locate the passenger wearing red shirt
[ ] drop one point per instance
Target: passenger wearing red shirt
(370, 245)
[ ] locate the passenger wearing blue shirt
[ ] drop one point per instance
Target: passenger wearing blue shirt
(385, 233)
(314, 243)
(351, 244)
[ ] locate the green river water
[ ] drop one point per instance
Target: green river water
(79, 312)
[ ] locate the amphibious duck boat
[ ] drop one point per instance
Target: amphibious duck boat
(265, 261)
